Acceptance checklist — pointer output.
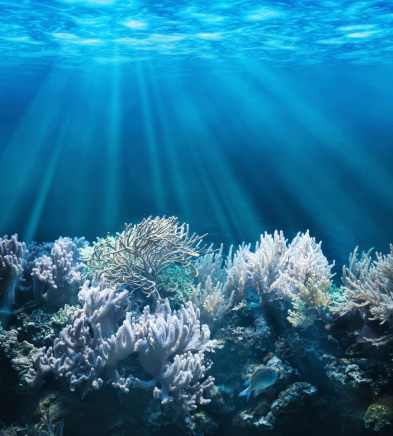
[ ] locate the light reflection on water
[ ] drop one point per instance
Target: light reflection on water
(79, 31)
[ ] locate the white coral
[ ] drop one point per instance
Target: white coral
(264, 266)
(305, 261)
(368, 286)
(170, 346)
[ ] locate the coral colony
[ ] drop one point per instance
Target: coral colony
(154, 309)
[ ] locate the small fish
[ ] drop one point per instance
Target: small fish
(261, 378)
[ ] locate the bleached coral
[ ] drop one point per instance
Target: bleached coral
(172, 352)
(368, 286)
(238, 278)
(300, 272)
(182, 380)
(170, 346)
(213, 301)
(58, 276)
(12, 263)
(264, 266)
(216, 289)
(210, 266)
(86, 345)
(384, 273)
(305, 261)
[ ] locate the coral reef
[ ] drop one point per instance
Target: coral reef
(174, 357)
(170, 347)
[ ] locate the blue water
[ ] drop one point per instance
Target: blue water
(238, 117)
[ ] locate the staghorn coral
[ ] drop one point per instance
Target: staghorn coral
(57, 276)
(141, 253)
(12, 263)
(368, 286)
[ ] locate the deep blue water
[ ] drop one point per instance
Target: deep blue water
(238, 117)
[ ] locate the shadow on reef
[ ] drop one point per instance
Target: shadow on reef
(166, 334)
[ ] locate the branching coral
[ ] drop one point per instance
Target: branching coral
(305, 261)
(300, 272)
(306, 279)
(309, 302)
(238, 278)
(215, 292)
(84, 346)
(12, 262)
(264, 266)
(213, 302)
(58, 276)
(210, 266)
(177, 284)
(141, 253)
(368, 286)
(170, 346)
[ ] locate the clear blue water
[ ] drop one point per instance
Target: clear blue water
(239, 117)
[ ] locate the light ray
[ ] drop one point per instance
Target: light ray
(231, 203)
(151, 141)
(35, 217)
(172, 152)
(113, 149)
(23, 155)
